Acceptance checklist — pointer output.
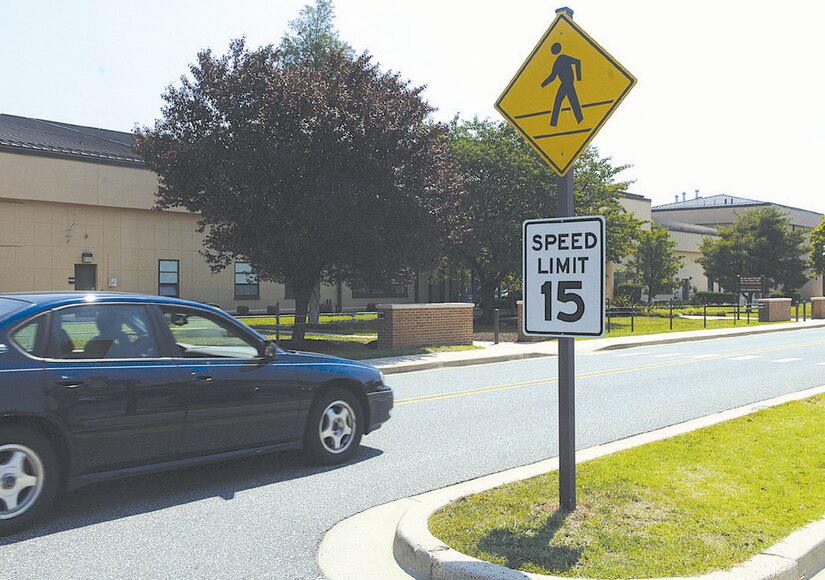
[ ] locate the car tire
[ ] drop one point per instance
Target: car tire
(29, 477)
(334, 427)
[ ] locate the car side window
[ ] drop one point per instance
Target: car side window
(202, 335)
(25, 336)
(102, 331)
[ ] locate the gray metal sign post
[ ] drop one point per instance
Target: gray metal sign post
(567, 379)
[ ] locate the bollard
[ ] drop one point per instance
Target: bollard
(705, 316)
(632, 319)
(278, 323)
(804, 312)
(608, 316)
(671, 314)
(735, 312)
(797, 312)
(495, 325)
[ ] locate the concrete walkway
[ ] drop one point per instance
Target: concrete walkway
(370, 545)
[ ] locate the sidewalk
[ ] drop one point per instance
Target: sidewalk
(369, 545)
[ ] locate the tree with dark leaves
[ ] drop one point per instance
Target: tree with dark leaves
(322, 173)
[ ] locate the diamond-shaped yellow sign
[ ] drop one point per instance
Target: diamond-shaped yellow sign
(564, 92)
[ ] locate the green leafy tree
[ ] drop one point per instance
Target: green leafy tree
(760, 242)
(310, 174)
(654, 264)
(506, 182)
(816, 258)
(313, 37)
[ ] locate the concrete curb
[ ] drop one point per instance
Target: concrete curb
(425, 557)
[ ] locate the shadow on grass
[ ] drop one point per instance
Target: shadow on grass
(520, 549)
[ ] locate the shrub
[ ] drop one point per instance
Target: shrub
(631, 293)
(714, 298)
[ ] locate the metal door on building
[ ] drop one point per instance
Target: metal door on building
(85, 276)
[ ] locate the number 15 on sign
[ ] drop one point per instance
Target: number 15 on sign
(564, 276)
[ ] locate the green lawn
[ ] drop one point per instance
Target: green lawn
(695, 503)
(354, 336)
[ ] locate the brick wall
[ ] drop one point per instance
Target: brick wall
(521, 336)
(401, 325)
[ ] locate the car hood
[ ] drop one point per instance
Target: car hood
(323, 359)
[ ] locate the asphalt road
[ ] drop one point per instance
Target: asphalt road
(264, 517)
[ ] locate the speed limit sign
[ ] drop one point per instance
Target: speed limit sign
(564, 277)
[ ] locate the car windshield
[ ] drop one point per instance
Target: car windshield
(9, 306)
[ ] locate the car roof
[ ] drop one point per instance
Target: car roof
(40, 301)
(51, 299)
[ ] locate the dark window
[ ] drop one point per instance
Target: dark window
(246, 281)
(97, 331)
(289, 293)
(388, 291)
(169, 278)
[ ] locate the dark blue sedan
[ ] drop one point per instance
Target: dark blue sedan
(99, 386)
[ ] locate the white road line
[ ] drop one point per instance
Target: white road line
(667, 355)
(701, 355)
(748, 357)
(786, 360)
(633, 354)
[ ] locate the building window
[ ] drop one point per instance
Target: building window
(246, 281)
(387, 291)
(169, 278)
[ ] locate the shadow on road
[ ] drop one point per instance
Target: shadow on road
(118, 499)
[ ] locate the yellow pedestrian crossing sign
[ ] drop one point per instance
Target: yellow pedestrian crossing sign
(564, 93)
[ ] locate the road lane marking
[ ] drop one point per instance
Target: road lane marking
(786, 360)
(604, 373)
(746, 357)
(670, 354)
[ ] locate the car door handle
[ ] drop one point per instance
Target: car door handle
(70, 381)
(201, 376)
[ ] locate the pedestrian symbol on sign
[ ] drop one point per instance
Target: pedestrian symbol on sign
(563, 69)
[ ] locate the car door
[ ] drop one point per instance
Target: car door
(237, 399)
(121, 400)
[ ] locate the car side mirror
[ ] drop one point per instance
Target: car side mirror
(269, 351)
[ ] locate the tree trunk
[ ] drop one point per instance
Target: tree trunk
(303, 293)
(301, 303)
(315, 304)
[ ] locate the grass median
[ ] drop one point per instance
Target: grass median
(695, 503)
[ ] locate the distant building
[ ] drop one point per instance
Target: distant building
(691, 220)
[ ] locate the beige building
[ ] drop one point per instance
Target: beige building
(76, 214)
(691, 220)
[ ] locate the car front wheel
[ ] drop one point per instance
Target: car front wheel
(29, 478)
(334, 427)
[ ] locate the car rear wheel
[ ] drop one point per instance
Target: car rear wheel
(334, 427)
(29, 478)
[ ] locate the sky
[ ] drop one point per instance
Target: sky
(729, 97)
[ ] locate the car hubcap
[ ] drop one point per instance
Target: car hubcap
(337, 426)
(21, 480)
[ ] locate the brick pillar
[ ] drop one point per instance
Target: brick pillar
(818, 307)
(774, 309)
